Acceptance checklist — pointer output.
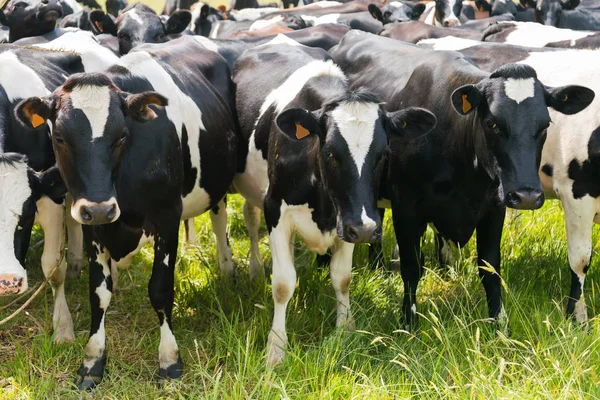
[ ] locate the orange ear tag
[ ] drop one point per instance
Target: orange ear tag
(466, 105)
(99, 26)
(301, 132)
(36, 120)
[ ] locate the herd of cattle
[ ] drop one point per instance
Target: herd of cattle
(120, 125)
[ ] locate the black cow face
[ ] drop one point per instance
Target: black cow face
(30, 17)
(353, 135)
(511, 107)
(445, 12)
(396, 11)
(548, 12)
(89, 115)
(20, 188)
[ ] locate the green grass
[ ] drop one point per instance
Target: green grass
(222, 329)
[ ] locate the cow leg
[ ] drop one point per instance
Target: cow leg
(190, 230)
(252, 220)
(376, 248)
(579, 219)
(218, 216)
(50, 216)
(489, 235)
(161, 293)
(75, 260)
(91, 370)
(341, 269)
(408, 235)
(283, 283)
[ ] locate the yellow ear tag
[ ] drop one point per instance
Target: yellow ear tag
(301, 132)
(565, 98)
(99, 26)
(36, 120)
(466, 105)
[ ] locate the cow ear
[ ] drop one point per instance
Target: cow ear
(204, 11)
(3, 18)
(375, 12)
(178, 21)
(298, 123)
(51, 184)
(417, 10)
(569, 99)
(410, 123)
(569, 4)
(466, 99)
(483, 5)
(137, 105)
(33, 112)
(102, 23)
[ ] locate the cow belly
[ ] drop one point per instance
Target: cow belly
(195, 203)
(254, 181)
(300, 220)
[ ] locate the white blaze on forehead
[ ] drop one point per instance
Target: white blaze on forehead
(285, 93)
(356, 124)
(94, 101)
(135, 16)
(18, 80)
(396, 4)
(519, 89)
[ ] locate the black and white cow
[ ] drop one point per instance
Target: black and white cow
(316, 151)
(139, 24)
(31, 189)
(134, 170)
(30, 17)
(442, 13)
(564, 14)
(569, 169)
(532, 34)
(203, 18)
(396, 11)
(480, 158)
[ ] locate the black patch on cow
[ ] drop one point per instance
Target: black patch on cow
(586, 175)
(548, 169)
(514, 71)
(87, 79)
(189, 173)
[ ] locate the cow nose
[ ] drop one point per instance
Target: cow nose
(10, 284)
(44, 1)
(98, 214)
(525, 199)
(361, 234)
(450, 23)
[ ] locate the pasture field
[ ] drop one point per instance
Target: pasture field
(222, 328)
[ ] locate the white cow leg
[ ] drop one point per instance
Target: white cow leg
(190, 230)
(75, 259)
(579, 218)
(50, 216)
(252, 220)
(219, 223)
(341, 269)
(283, 284)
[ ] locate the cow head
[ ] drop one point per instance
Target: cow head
(139, 24)
(549, 12)
(90, 116)
(511, 107)
(20, 189)
(30, 17)
(350, 138)
(446, 12)
(396, 11)
(203, 17)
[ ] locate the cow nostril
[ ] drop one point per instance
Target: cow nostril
(352, 233)
(86, 215)
(513, 198)
(111, 212)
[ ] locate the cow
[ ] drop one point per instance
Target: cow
(304, 127)
(522, 11)
(569, 166)
(479, 159)
(136, 163)
(4, 34)
(29, 17)
(444, 13)
(139, 24)
(531, 34)
(396, 11)
(564, 14)
(414, 31)
(203, 18)
(31, 188)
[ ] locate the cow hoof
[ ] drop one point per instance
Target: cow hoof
(174, 371)
(276, 345)
(64, 335)
(87, 382)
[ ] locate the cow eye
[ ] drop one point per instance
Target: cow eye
(160, 36)
(58, 138)
(491, 124)
(123, 36)
(20, 5)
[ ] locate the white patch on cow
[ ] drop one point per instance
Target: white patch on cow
(126, 261)
(519, 89)
(396, 4)
(428, 15)
(94, 102)
(75, 6)
(214, 31)
(19, 80)
(94, 56)
(14, 191)
(103, 295)
(448, 43)
(413, 308)
(298, 218)
(475, 162)
(133, 14)
(251, 14)
(325, 4)
(181, 111)
(95, 346)
(580, 312)
(167, 349)
(366, 220)
(341, 275)
(327, 19)
(356, 124)
(502, 1)
(206, 42)
(265, 23)
(532, 34)
(196, 10)
(281, 39)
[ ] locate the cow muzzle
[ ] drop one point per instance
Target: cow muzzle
(91, 213)
(450, 23)
(525, 199)
(12, 283)
(361, 233)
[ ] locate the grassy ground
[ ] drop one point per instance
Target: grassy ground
(222, 329)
